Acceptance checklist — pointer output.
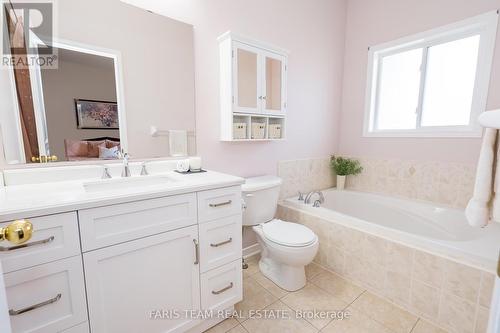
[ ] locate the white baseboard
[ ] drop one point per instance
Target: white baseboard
(251, 250)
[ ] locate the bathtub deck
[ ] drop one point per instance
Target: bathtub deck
(325, 291)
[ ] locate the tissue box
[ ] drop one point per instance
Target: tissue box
(239, 131)
(258, 131)
(274, 131)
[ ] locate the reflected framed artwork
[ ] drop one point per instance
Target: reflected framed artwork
(93, 114)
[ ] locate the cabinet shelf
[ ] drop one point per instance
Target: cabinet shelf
(252, 89)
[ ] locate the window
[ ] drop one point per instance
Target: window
(431, 84)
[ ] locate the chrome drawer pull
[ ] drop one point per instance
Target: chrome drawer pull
(22, 246)
(217, 292)
(197, 252)
(36, 306)
(222, 243)
(225, 203)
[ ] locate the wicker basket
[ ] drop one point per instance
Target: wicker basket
(239, 131)
(258, 131)
(274, 131)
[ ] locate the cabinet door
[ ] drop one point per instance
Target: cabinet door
(273, 83)
(247, 81)
(133, 286)
(4, 312)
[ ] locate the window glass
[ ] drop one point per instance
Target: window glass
(399, 90)
(449, 84)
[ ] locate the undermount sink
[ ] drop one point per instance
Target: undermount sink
(127, 183)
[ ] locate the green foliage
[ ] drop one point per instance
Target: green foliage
(345, 166)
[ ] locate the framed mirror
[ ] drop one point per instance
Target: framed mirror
(97, 85)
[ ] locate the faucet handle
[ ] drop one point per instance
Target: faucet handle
(301, 196)
(144, 170)
(317, 204)
(105, 173)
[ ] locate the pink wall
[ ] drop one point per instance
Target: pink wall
(313, 32)
(376, 21)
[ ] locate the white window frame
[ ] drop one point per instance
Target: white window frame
(485, 25)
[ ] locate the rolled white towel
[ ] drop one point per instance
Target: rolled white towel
(479, 209)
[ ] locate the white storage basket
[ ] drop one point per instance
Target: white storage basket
(274, 131)
(239, 131)
(258, 130)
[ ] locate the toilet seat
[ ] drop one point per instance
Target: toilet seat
(288, 233)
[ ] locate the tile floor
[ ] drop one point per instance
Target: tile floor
(324, 291)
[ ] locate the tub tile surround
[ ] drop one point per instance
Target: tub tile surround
(448, 184)
(446, 293)
(305, 175)
(325, 290)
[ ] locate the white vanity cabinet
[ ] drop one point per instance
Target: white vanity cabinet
(129, 283)
(139, 266)
(253, 77)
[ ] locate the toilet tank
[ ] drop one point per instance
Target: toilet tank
(260, 195)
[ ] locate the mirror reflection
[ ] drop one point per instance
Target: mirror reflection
(80, 108)
(110, 84)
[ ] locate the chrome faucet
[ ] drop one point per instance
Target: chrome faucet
(309, 195)
(126, 168)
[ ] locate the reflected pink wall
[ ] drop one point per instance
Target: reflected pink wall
(313, 32)
(377, 21)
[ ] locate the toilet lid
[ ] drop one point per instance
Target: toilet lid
(288, 234)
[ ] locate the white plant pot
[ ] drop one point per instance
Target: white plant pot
(341, 182)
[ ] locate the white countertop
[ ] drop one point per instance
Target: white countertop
(23, 201)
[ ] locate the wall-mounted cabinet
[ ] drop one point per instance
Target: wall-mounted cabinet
(252, 89)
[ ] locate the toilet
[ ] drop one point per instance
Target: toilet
(286, 248)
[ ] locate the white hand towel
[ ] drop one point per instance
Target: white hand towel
(178, 143)
(480, 209)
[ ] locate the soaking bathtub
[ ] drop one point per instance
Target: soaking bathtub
(431, 228)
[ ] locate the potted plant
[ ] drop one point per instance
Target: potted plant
(344, 167)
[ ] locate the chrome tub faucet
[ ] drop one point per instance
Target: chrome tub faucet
(309, 195)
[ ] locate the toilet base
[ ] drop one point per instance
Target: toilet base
(290, 278)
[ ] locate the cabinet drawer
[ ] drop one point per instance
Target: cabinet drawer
(104, 226)
(222, 287)
(54, 237)
(218, 203)
(47, 298)
(220, 242)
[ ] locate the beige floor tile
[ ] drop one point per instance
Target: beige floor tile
(424, 326)
(279, 318)
(391, 316)
(238, 329)
(338, 286)
(253, 266)
(312, 299)
(313, 270)
(269, 285)
(224, 326)
(355, 323)
(255, 297)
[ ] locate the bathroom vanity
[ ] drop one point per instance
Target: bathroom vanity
(122, 258)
